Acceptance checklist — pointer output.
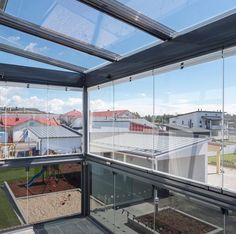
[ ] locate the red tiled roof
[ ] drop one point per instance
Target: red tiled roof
(108, 113)
(74, 113)
(13, 121)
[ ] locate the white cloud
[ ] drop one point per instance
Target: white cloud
(33, 47)
(74, 101)
(143, 94)
(100, 105)
(13, 38)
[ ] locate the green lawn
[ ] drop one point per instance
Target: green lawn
(229, 160)
(7, 216)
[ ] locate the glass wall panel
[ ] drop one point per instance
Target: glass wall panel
(229, 150)
(26, 111)
(65, 121)
(102, 189)
(133, 122)
(188, 105)
(140, 207)
(40, 120)
(230, 222)
(11, 214)
(101, 121)
(4, 139)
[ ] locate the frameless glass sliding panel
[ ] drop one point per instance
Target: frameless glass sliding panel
(82, 22)
(4, 139)
(25, 118)
(133, 198)
(13, 190)
(188, 111)
(54, 191)
(133, 121)
(101, 121)
(229, 149)
(64, 121)
(102, 190)
(178, 213)
(230, 221)
(173, 13)
(46, 48)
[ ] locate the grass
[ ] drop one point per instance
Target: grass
(8, 217)
(229, 160)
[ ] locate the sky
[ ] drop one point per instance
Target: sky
(198, 87)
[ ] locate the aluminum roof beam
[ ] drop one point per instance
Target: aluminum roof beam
(132, 17)
(40, 58)
(32, 75)
(36, 30)
(207, 38)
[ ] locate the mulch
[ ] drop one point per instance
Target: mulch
(49, 185)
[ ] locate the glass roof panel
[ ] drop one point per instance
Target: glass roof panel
(180, 14)
(37, 45)
(79, 21)
(12, 59)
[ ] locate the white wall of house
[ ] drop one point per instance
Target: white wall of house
(61, 145)
(18, 130)
(196, 118)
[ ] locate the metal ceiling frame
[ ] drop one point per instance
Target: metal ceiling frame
(195, 42)
(32, 75)
(132, 17)
(206, 38)
(40, 58)
(36, 30)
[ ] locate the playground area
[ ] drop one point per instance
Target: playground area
(47, 180)
(54, 191)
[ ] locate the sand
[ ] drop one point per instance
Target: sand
(52, 205)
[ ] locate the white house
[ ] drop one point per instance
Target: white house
(211, 120)
(180, 156)
(57, 139)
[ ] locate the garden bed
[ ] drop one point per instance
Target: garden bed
(169, 220)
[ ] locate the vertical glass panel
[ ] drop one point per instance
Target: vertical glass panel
(102, 195)
(230, 222)
(38, 120)
(188, 105)
(54, 191)
(101, 121)
(229, 150)
(4, 139)
(133, 199)
(26, 113)
(178, 213)
(11, 181)
(133, 122)
(64, 121)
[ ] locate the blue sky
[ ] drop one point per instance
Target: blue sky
(175, 92)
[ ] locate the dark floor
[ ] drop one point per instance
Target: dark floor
(69, 226)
